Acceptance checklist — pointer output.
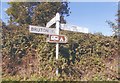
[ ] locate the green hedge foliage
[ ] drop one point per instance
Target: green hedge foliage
(27, 56)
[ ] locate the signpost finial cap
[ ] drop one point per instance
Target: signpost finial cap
(57, 17)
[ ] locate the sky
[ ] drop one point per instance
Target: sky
(91, 15)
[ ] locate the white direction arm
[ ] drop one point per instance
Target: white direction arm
(51, 22)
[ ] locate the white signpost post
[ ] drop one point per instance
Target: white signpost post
(57, 33)
(56, 20)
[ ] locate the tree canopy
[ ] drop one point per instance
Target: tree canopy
(38, 13)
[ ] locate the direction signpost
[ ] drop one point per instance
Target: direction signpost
(56, 20)
(53, 33)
